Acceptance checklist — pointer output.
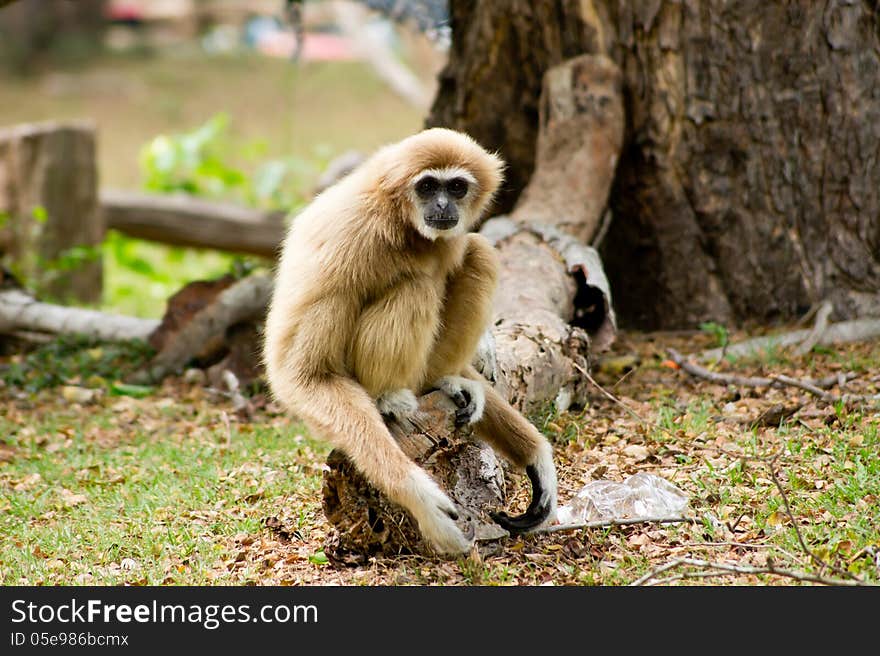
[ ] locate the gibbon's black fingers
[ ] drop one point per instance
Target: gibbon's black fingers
(468, 396)
(538, 511)
(466, 407)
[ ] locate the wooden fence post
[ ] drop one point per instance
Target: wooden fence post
(50, 224)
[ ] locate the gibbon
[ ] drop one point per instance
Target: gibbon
(382, 294)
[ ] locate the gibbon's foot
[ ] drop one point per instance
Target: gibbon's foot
(400, 405)
(467, 394)
(542, 508)
(484, 358)
(435, 514)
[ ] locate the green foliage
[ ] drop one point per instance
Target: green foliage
(40, 214)
(139, 275)
(716, 330)
(205, 162)
(75, 358)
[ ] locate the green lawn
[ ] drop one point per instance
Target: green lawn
(176, 488)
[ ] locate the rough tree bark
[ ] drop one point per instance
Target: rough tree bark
(749, 185)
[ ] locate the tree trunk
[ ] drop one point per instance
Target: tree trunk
(749, 185)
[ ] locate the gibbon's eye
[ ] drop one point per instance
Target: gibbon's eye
(457, 187)
(427, 186)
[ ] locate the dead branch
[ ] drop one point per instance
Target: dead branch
(842, 332)
(814, 387)
(21, 312)
(243, 301)
(727, 569)
(605, 523)
(187, 221)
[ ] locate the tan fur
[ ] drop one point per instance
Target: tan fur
(365, 305)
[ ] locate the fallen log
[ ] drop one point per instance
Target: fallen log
(188, 221)
(21, 312)
(365, 523)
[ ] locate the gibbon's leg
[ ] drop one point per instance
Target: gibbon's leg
(466, 313)
(391, 345)
(342, 412)
(512, 435)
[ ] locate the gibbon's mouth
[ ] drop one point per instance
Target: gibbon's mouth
(440, 223)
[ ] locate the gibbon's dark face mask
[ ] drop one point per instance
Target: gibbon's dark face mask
(440, 198)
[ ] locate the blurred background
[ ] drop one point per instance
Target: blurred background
(244, 101)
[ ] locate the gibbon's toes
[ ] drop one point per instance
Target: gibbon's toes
(399, 405)
(538, 511)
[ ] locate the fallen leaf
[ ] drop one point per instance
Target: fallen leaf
(76, 394)
(637, 451)
(71, 499)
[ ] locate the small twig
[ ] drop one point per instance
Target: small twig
(818, 330)
(616, 522)
(804, 385)
(622, 378)
(771, 465)
(744, 545)
(607, 218)
(612, 397)
(726, 569)
(811, 386)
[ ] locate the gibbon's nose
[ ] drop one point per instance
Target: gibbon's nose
(442, 201)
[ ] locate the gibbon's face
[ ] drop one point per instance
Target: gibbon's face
(443, 199)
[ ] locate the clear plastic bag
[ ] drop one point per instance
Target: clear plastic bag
(641, 495)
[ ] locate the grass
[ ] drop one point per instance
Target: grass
(175, 488)
(142, 492)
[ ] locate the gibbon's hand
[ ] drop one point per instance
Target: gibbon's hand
(467, 394)
(435, 514)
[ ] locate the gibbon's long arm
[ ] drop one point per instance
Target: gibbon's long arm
(467, 309)
(338, 408)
